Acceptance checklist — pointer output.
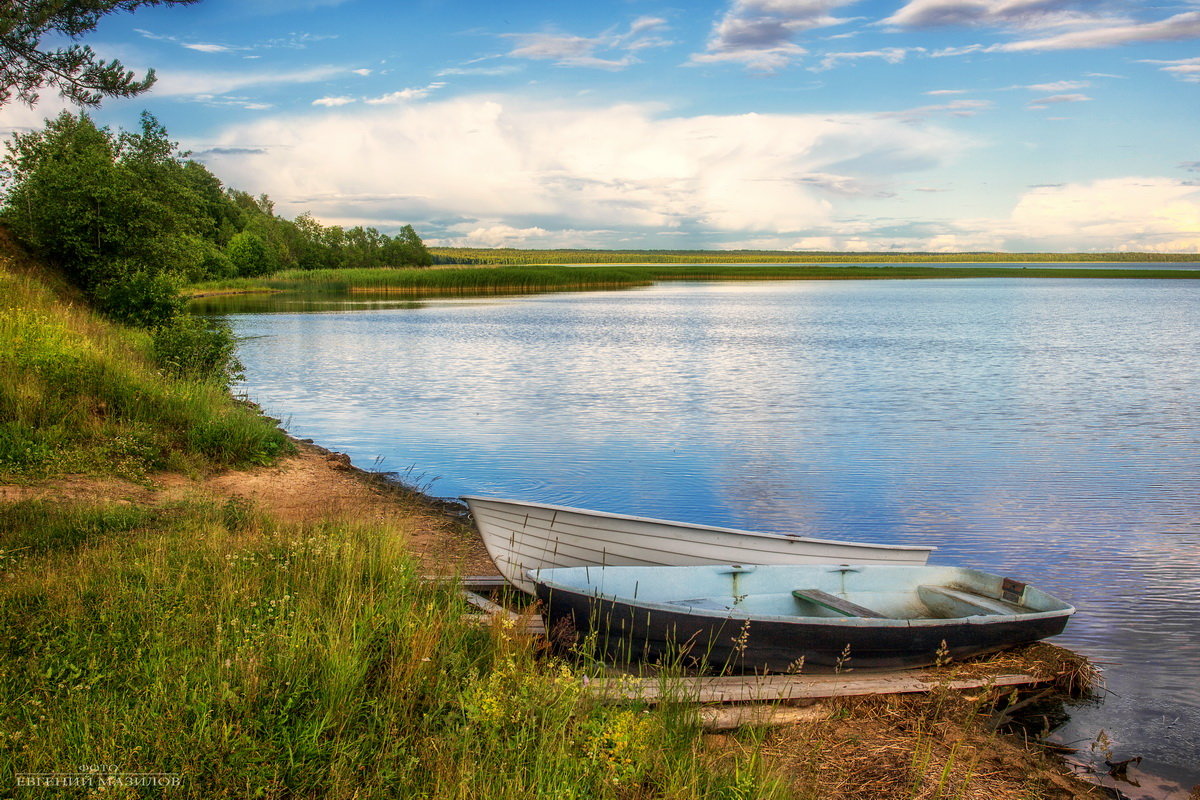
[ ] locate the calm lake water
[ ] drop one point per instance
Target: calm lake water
(1045, 429)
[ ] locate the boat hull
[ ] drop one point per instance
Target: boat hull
(736, 640)
(521, 536)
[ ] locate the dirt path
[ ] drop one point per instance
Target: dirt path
(312, 485)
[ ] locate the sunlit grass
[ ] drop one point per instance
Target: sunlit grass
(80, 394)
(262, 660)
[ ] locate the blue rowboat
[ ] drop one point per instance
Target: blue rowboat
(769, 617)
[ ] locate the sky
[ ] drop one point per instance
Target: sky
(883, 125)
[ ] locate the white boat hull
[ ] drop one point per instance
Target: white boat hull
(521, 536)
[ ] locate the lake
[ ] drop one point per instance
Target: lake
(1045, 429)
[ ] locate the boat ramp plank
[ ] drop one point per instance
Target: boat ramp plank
(766, 688)
(530, 624)
(476, 583)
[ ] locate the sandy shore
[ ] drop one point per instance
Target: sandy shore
(312, 485)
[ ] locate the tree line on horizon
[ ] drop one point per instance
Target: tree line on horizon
(516, 256)
(129, 219)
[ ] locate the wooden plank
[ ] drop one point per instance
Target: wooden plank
(727, 718)
(475, 583)
(766, 688)
(834, 603)
(483, 604)
(530, 624)
(483, 582)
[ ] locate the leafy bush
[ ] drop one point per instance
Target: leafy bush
(139, 297)
(197, 347)
(249, 255)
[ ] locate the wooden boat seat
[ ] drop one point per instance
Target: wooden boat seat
(975, 602)
(837, 604)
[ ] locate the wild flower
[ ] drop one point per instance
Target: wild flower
(741, 641)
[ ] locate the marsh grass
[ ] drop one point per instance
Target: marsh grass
(463, 280)
(258, 659)
(484, 279)
(80, 394)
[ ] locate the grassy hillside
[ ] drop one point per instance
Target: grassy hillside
(81, 394)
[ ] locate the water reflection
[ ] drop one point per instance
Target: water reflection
(1046, 429)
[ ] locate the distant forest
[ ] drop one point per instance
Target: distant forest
(513, 256)
(129, 218)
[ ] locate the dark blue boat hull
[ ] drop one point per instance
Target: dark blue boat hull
(637, 633)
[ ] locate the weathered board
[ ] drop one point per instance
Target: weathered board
(475, 583)
(768, 688)
(530, 624)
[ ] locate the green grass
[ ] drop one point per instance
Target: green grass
(260, 660)
(437, 281)
(81, 394)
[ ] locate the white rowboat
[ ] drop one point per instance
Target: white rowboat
(521, 536)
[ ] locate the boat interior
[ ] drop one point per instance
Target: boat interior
(857, 592)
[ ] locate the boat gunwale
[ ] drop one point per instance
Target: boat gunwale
(1068, 610)
(699, 526)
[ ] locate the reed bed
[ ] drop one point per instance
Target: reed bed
(470, 280)
(482, 280)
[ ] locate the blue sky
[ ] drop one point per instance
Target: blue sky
(940, 125)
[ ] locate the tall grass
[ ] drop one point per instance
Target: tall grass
(437, 281)
(544, 278)
(80, 394)
(260, 660)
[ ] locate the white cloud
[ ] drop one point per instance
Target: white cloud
(507, 162)
(1058, 99)
(20, 117)
(405, 95)
(955, 108)
(759, 34)
(570, 50)
(1176, 28)
(1118, 214)
(1081, 24)
(363, 72)
(1055, 86)
(174, 83)
(496, 71)
(892, 55)
(209, 48)
(1007, 13)
(333, 102)
(1185, 69)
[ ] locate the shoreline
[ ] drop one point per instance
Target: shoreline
(317, 484)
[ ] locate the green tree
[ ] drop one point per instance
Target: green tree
(406, 247)
(249, 255)
(26, 66)
(102, 205)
